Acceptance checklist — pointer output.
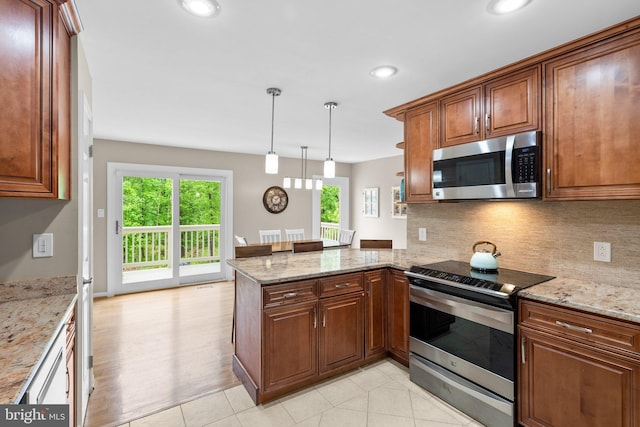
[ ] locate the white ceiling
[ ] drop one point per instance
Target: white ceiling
(162, 76)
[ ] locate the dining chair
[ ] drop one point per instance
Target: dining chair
(345, 237)
(241, 241)
(309, 246)
(294, 234)
(376, 244)
(247, 252)
(253, 250)
(270, 236)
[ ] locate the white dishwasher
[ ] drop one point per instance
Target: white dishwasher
(49, 385)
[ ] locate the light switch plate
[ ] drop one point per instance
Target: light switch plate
(43, 245)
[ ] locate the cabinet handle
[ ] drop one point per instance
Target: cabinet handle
(476, 128)
(573, 327)
(315, 318)
(522, 348)
(487, 120)
(368, 287)
(68, 383)
(324, 318)
(548, 181)
(290, 295)
(342, 285)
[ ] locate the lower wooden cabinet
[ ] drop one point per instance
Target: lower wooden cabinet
(341, 326)
(375, 328)
(398, 316)
(568, 376)
(291, 344)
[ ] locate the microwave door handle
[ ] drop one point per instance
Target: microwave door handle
(508, 159)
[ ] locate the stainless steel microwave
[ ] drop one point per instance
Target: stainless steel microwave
(507, 167)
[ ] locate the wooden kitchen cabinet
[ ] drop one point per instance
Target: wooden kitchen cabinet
(291, 344)
(577, 368)
(420, 138)
(592, 124)
(398, 316)
(501, 106)
(71, 366)
(341, 336)
(375, 327)
(35, 119)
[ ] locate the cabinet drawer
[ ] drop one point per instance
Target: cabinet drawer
(584, 326)
(288, 293)
(341, 284)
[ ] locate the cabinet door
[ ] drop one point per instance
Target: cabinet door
(512, 103)
(398, 316)
(375, 313)
(35, 119)
(421, 138)
(460, 117)
(290, 344)
(592, 125)
(341, 326)
(563, 383)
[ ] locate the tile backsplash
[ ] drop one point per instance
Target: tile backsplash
(553, 238)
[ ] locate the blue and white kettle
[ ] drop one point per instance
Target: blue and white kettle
(484, 260)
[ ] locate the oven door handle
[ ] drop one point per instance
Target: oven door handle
(483, 314)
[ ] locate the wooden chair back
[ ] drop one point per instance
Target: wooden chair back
(376, 244)
(308, 246)
(270, 236)
(294, 233)
(253, 250)
(346, 236)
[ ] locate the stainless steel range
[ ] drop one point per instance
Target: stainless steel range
(462, 336)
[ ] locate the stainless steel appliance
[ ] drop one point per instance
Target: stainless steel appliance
(508, 167)
(462, 336)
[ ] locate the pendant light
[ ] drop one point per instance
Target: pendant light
(302, 180)
(329, 164)
(271, 161)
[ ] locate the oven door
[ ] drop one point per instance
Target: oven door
(471, 339)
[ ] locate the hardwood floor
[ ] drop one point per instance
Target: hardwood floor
(155, 350)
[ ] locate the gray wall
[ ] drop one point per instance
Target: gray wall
(380, 174)
(21, 218)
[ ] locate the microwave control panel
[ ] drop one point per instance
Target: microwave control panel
(525, 168)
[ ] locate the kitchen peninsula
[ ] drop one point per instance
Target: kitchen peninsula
(304, 317)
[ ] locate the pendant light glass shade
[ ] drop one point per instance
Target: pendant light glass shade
(318, 184)
(297, 183)
(329, 164)
(286, 182)
(271, 161)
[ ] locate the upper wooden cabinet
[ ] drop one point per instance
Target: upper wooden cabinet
(592, 122)
(505, 105)
(420, 139)
(35, 134)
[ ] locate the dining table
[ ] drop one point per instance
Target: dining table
(287, 245)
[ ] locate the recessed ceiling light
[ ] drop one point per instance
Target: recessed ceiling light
(203, 8)
(384, 71)
(500, 7)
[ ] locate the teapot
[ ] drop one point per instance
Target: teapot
(483, 259)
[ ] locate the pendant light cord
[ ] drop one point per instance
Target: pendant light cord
(273, 107)
(330, 106)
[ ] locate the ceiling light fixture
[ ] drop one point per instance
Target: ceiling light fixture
(384, 71)
(297, 182)
(271, 161)
(202, 8)
(329, 164)
(501, 7)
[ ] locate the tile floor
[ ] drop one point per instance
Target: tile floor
(378, 395)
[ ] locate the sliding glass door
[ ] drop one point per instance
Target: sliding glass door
(168, 229)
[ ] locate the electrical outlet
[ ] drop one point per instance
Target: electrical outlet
(602, 251)
(422, 234)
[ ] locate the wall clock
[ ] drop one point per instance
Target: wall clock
(275, 199)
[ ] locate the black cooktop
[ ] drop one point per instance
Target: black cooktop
(503, 281)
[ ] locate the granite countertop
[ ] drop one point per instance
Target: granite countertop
(286, 266)
(598, 298)
(31, 315)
